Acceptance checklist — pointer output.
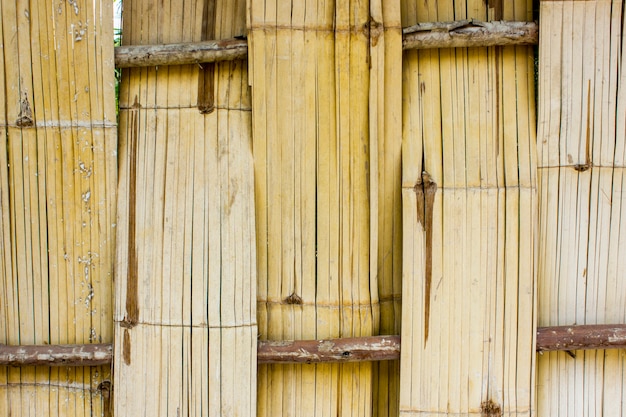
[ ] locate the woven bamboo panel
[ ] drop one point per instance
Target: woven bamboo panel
(186, 262)
(324, 148)
(469, 194)
(581, 139)
(57, 197)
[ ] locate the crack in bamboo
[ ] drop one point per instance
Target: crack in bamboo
(425, 191)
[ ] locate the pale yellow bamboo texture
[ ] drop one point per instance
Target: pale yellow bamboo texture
(385, 186)
(469, 282)
(186, 262)
(57, 188)
(310, 84)
(581, 169)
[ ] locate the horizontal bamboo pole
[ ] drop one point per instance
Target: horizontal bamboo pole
(57, 355)
(350, 349)
(460, 34)
(585, 337)
(180, 53)
(353, 349)
(469, 33)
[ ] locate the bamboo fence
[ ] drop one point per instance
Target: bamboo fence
(321, 185)
(581, 138)
(469, 194)
(57, 199)
(185, 320)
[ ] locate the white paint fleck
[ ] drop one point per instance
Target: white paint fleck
(84, 170)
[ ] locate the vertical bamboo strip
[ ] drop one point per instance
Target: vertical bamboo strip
(469, 196)
(581, 165)
(57, 182)
(186, 261)
(386, 189)
(319, 166)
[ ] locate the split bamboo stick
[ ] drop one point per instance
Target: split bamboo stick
(469, 195)
(185, 317)
(57, 182)
(581, 167)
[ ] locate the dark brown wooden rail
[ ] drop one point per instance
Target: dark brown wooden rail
(353, 349)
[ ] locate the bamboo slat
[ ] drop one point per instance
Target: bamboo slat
(57, 205)
(469, 196)
(325, 145)
(386, 186)
(581, 141)
(185, 317)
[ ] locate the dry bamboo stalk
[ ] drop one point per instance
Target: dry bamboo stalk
(59, 175)
(186, 225)
(469, 212)
(581, 166)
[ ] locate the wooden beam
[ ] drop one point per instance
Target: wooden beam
(581, 337)
(57, 355)
(464, 33)
(180, 53)
(353, 349)
(469, 33)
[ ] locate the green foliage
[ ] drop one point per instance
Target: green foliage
(117, 41)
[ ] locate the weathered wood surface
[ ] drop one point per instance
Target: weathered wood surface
(181, 53)
(582, 256)
(185, 316)
(349, 349)
(469, 193)
(57, 355)
(461, 34)
(57, 197)
(588, 337)
(469, 33)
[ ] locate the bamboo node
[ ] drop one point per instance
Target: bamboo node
(376, 30)
(490, 409)
(293, 299)
(25, 118)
